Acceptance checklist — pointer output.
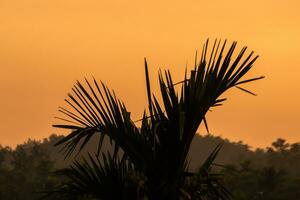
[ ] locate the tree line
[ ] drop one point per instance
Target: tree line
(265, 174)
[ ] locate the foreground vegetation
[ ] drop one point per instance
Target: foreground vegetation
(150, 160)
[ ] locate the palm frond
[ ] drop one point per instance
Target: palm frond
(206, 184)
(108, 178)
(160, 146)
(98, 111)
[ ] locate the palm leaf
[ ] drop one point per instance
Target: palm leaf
(206, 184)
(105, 179)
(160, 146)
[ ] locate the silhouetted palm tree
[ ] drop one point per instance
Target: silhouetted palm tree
(157, 151)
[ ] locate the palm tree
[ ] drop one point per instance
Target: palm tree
(158, 149)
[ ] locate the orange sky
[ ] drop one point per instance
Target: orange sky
(46, 45)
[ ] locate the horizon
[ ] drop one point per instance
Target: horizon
(47, 46)
(250, 148)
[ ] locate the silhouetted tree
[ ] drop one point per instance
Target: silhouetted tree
(157, 151)
(280, 145)
(25, 171)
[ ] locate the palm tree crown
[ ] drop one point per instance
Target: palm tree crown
(157, 150)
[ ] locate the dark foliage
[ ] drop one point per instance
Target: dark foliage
(159, 148)
(25, 171)
(270, 174)
(264, 174)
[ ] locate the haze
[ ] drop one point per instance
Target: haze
(45, 46)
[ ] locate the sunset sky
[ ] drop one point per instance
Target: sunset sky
(45, 46)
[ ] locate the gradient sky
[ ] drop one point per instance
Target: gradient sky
(45, 46)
